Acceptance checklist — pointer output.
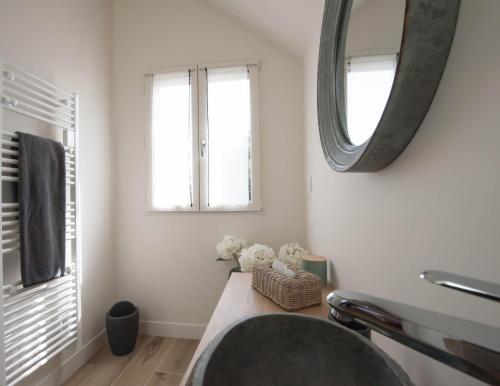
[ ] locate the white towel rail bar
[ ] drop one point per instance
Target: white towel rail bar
(16, 287)
(9, 106)
(39, 329)
(35, 315)
(16, 153)
(32, 301)
(46, 113)
(36, 302)
(33, 312)
(38, 322)
(8, 232)
(30, 350)
(40, 359)
(9, 223)
(15, 213)
(63, 307)
(9, 205)
(19, 94)
(16, 179)
(9, 151)
(18, 80)
(13, 135)
(6, 142)
(9, 214)
(15, 295)
(16, 69)
(11, 240)
(56, 101)
(19, 298)
(44, 359)
(10, 250)
(10, 143)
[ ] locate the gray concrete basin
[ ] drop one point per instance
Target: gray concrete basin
(293, 350)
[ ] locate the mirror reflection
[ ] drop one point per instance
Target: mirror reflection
(372, 47)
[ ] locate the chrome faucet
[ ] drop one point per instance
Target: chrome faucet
(472, 286)
(468, 346)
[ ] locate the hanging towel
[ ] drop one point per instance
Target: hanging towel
(42, 208)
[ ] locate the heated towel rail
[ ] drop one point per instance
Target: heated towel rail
(38, 322)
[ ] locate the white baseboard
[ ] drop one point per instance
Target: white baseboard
(73, 363)
(173, 330)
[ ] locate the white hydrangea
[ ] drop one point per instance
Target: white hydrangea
(230, 247)
(256, 254)
(292, 253)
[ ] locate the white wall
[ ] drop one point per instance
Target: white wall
(167, 262)
(437, 206)
(69, 43)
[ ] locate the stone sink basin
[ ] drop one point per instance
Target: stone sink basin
(293, 350)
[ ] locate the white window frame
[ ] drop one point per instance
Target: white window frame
(200, 135)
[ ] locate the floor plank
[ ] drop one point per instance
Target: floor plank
(81, 377)
(142, 366)
(103, 368)
(160, 379)
(177, 359)
(154, 362)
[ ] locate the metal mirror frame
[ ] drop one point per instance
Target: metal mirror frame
(428, 31)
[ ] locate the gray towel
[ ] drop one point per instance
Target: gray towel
(42, 208)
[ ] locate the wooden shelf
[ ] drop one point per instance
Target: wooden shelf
(238, 300)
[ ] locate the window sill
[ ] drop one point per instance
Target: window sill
(202, 212)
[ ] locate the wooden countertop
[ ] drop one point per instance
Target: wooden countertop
(238, 300)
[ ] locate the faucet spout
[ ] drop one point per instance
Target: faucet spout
(466, 284)
(470, 347)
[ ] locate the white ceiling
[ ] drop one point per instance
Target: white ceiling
(286, 23)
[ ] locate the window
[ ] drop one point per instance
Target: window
(369, 83)
(172, 141)
(203, 139)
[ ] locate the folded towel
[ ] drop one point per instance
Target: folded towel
(42, 208)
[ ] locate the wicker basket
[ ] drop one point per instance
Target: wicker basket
(290, 293)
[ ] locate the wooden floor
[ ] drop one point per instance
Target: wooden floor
(155, 361)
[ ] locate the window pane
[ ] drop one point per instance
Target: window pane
(369, 83)
(229, 137)
(172, 144)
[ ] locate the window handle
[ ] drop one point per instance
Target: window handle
(203, 146)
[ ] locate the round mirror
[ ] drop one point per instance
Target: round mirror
(370, 63)
(380, 64)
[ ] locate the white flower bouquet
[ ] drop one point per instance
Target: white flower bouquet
(229, 249)
(292, 253)
(256, 254)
